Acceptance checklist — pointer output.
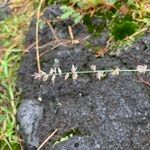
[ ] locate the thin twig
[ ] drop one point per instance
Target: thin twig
(30, 46)
(71, 34)
(51, 43)
(135, 34)
(51, 49)
(37, 36)
(56, 44)
(52, 29)
(144, 81)
(47, 139)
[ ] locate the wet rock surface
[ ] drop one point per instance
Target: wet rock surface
(111, 114)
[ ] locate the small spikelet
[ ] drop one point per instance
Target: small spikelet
(73, 69)
(99, 75)
(53, 78)
(116, 71)
(59, 71)
(67, 76)
(74, 76)
(93, 67)
(141, 69)
(55, 70)
(37, 76)
(51, 71)
(74, 73)
(42, 73)
(45, 78)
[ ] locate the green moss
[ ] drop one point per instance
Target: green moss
(123, 29)
(94, 29)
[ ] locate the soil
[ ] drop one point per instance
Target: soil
(108, 114)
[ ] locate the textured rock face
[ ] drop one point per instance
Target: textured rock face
(29, 115)
(111, 114)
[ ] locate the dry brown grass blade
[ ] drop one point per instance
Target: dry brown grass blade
(64, 42)
(52, 29)
(70, 32)
(102, 51)
(21, 6)
(2, 52)
(37, 36)
(47, 139)
(144, 81)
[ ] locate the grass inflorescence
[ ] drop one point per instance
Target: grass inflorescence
(99, 74)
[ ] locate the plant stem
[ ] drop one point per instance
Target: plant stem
(104, 71)
(37, 36)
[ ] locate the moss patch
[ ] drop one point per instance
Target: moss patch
(123, 29)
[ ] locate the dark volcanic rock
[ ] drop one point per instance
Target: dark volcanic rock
(29, 114)
(137, 54)
(110, 114)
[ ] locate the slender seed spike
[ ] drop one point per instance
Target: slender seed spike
(141, 69)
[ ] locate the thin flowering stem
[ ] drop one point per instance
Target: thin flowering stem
(140, 69)
(106, 71)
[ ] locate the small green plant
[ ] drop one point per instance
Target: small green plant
(69, 12)
(67, 135)
(9, 100)
(123, 29)
(124, 18)
(81, 8)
